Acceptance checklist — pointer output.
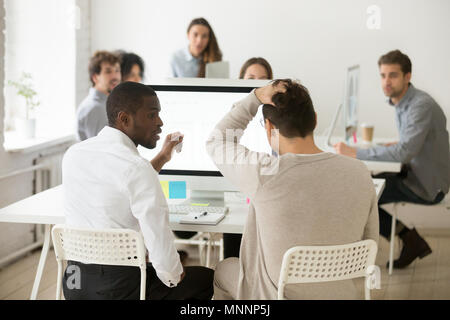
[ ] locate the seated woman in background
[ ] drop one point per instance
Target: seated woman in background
(256, 68)
(203, 48)
(131, 67)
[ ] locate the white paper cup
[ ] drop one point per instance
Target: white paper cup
(367, 132)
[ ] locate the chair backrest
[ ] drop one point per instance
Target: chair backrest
(108, 246)
(309, 264)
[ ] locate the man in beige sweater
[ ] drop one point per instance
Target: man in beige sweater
(303, 197)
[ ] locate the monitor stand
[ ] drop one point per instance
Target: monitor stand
(333, 126)
(210, 198)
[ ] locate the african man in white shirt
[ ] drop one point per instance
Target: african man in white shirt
(107, 184)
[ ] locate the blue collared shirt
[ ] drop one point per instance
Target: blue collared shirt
(184, 65)
(423, 145)
(91, 114)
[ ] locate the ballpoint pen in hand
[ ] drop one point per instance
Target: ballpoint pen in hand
(201, 215)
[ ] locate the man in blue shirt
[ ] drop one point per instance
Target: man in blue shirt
(423, 150)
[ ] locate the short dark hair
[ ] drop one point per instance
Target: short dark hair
(127, 61)
(127, 96)
(293, 113)
(396, 57)
(257, 60)
(95, 64)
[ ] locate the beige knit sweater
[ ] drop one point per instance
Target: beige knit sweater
(321, 199)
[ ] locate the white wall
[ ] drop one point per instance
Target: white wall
(83, 50)
(12, 236)
(5, 162)
(313, 41)
(40, 40)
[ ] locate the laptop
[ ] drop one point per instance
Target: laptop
(219, 69)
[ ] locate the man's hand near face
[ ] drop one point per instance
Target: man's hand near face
(171, 141)
(164, 156)
(342, 148)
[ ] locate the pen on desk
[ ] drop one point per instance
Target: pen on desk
(201, 215)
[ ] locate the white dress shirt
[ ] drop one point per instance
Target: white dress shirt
(107, 184)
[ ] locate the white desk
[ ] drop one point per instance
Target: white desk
(47, 208)
(373, 166)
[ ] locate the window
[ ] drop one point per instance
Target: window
(40, 40)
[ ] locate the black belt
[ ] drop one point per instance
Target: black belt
(98, 268)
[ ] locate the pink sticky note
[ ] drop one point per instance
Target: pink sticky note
(248, 200)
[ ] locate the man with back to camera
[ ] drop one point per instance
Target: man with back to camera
(294, 199)
(107, 184)
(423, 150)
(104, 73)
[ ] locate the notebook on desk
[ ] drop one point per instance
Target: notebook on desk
(207, 218)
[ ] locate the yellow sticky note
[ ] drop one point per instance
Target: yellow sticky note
(200, 204)
(165, 188)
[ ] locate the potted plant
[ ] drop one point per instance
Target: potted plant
(26, 127)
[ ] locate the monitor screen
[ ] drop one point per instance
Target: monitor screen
(351, 104)
(194, 111)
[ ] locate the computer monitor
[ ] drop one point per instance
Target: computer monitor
(350, 106)
(351, 98)
(194, 110)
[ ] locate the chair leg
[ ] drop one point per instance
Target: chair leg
(208, 252)
(280, 292)
(143, 282)
(59, 280)
(367, 294)
(221, 253)
(201, 249)
(392, 244)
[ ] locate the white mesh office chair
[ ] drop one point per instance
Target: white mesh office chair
(310, 264)
(444, 205)
(121, 247)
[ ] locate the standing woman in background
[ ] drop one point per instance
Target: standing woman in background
(256, 68)
(190, 62)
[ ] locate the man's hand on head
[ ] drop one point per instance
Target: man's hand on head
(342, 148)
(265, 94)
